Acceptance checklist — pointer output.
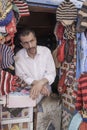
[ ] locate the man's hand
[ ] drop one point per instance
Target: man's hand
(45, 91)
(35, 90)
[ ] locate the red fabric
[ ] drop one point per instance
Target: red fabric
(81, 99)
(61, 86)
(60, 31)
(11, 28)
(60, 52)
(5, 85)
(83, 126)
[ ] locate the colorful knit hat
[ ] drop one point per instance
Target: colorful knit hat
(7, 19)
(5, 8)
(66, 13)
(82, 18)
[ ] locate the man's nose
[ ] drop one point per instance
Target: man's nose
(30, 44)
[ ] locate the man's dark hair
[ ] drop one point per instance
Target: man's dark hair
(25, 32)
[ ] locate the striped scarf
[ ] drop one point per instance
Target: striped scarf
(81, 99)
(7, 56)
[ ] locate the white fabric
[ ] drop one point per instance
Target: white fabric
(42, 66)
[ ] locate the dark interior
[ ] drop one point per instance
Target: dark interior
(43, 24)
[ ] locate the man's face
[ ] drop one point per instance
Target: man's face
(29, 42)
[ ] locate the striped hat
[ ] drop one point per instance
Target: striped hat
(66, 13)
(82, 18)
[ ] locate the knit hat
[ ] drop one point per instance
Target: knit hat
(7, 19)
(82, 18)
(66, 13)
(5, 8)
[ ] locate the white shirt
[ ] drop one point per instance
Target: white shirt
(42, 66)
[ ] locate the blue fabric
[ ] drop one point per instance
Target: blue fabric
(84, 119)
(83, 56)
(7, 19)
(75, 122)
(78, 69)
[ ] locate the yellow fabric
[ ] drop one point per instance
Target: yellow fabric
(6, 10)
(15, 127)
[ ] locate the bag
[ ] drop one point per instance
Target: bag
(69, 50)
(61, 85)
(60, 51)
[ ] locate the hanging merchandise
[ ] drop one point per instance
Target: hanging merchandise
(11, 28)
(7, 56)
(60, 51)
(23, 7)
(83, 52)
(7, 19)
(57, 64)
(82, 18)
(59, 31)
(61, 85)
(66, 13)
(16, 12)
(70, 31)
(69, 50)
(70, 74)
(5, 8)
(81, 99)
(83, 126)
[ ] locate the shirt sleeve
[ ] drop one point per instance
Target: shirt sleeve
(50, 72)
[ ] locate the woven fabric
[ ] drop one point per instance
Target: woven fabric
(23, 8)
(83, 126)
(82, 18)
(70, 32)
(5, 8)
(7, 19)
(7, 56)
(81, 99)
(66, 12)
(5, 84)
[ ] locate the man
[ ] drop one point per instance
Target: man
(34, 64)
